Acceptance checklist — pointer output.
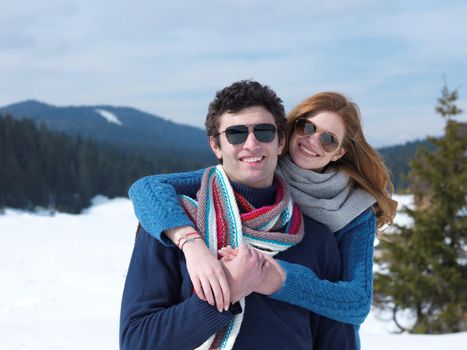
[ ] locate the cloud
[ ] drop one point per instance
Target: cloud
(169, 58)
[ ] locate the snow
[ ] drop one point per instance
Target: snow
(403, 201)
(109, 116)
(62, 278)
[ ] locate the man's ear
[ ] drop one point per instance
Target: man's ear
(339, 154)
(215, 146)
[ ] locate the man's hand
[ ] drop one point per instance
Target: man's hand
(273, 274)
(273, 277)
(227, 253)
(243, 272)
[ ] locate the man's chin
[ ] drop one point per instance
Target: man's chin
(256, 177)
(257, 180)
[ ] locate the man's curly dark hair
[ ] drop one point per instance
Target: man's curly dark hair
(243, 94)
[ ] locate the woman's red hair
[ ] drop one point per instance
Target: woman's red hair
(361, 162)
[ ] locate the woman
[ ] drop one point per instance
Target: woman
(335, 177)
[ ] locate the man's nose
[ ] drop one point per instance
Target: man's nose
(251, 142)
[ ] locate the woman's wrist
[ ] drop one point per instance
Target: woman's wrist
(177, 233)
(195, 249)
(187, 237)
(188, 240)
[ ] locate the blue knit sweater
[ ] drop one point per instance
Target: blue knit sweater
(159, 310)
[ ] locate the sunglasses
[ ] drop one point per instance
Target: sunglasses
(328, 141)
(237, 134)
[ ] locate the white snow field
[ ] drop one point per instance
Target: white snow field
(62, 278)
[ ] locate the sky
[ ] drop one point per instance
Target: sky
(170, 57)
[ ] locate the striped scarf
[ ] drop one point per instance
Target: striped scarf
(223, 217)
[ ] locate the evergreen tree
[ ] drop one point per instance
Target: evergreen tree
(53, 170)
(424, 265)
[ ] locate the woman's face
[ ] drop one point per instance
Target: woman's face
(306, 150)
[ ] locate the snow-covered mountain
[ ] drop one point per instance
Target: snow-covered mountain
(120, 126)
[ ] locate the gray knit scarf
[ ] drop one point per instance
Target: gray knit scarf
(327, 197)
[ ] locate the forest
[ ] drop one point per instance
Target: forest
(53, 170)
(58, 171)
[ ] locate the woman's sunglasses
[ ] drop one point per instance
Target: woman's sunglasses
(237, 134)
(328, 141)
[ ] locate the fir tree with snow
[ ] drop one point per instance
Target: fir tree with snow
(424, 265)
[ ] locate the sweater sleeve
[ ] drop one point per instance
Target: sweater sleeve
(156, 204)
(348, 300)
(154, 315)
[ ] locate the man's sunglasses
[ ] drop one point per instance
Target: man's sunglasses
(328, 141)
(237, 134)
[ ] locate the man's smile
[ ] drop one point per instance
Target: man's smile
(252, 159)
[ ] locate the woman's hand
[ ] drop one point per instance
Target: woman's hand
(207, 275)
(205, 270)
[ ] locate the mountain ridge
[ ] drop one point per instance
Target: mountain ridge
(153, 136)
(138, 130)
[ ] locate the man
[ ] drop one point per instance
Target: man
(240, 201)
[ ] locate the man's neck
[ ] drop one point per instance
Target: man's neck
(257, 197)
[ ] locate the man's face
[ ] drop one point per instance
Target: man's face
(251, 163)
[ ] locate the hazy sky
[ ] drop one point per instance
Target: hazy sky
(169, 58)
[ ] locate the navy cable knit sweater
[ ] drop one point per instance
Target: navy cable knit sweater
(159, 310)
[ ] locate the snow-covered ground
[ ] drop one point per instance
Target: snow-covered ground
(62, 278)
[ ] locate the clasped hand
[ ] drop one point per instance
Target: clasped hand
(237, 274)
